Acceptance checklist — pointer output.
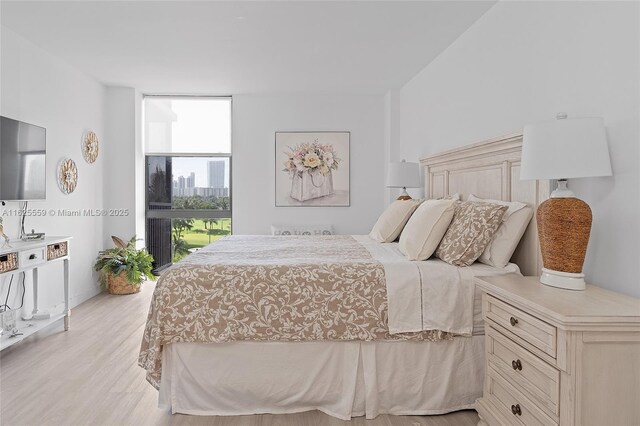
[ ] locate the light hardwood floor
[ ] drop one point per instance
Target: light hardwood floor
(89, 376)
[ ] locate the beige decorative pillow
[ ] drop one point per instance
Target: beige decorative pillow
(392, 220)
(509, 233)
(426, 227)
(471, 230)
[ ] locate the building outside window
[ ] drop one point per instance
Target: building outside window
(188, 174)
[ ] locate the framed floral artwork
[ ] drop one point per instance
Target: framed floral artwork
(312, 169)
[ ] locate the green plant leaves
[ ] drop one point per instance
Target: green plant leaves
(124, 257)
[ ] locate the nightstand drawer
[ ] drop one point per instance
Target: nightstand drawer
(529, 328)
(526, 371)
(513, 404)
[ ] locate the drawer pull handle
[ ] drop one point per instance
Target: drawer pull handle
(513, 321)
(516, 364)
(515, 409)
(4, 258)
(32, 257)
(56, 246)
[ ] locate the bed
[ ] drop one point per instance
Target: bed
(362, 332)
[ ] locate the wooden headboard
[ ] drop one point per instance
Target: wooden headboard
(490, 169)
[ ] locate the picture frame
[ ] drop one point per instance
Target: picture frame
(312, 169)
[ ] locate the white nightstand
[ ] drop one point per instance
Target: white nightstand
(559, 357)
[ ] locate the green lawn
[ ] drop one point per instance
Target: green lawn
(198, 236)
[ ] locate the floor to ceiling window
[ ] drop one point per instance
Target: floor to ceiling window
(188, 174)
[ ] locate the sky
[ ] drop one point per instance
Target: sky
(198, 165)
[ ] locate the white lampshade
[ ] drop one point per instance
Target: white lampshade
(403, 175)
(565, 148)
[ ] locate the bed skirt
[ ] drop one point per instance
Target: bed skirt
(341, 379)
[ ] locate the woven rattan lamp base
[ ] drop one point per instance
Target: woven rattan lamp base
(564, 225)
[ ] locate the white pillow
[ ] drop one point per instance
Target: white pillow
(392, 220)
(425, 229)
(505, 241)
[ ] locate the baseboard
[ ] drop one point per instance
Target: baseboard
(77, 299)
(84, 296)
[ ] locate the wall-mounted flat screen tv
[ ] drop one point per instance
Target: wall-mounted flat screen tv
(23, 151)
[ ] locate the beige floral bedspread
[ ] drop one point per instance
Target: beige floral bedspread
(264, 288)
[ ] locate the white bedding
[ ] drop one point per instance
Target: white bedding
(342, 379)
(430, 294)
(351, 378)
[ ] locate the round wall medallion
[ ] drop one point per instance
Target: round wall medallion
(90, 147)
(67, 176)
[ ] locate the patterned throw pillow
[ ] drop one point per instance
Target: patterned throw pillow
(301, 230)
(472, 228)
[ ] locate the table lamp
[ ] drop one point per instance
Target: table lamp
(403, 175)
(564, 149)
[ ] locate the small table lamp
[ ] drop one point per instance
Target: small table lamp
(562, 149)
(404, 175)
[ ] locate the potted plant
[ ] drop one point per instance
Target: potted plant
(123, 268)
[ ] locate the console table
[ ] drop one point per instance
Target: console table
(25, 256)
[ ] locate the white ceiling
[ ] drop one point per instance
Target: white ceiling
(217, 47)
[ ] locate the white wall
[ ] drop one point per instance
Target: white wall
(124, 164)
(40, 89)
(255, 121)
(524, 62)
(119, 157)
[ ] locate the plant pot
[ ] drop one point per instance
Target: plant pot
(119, 284)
